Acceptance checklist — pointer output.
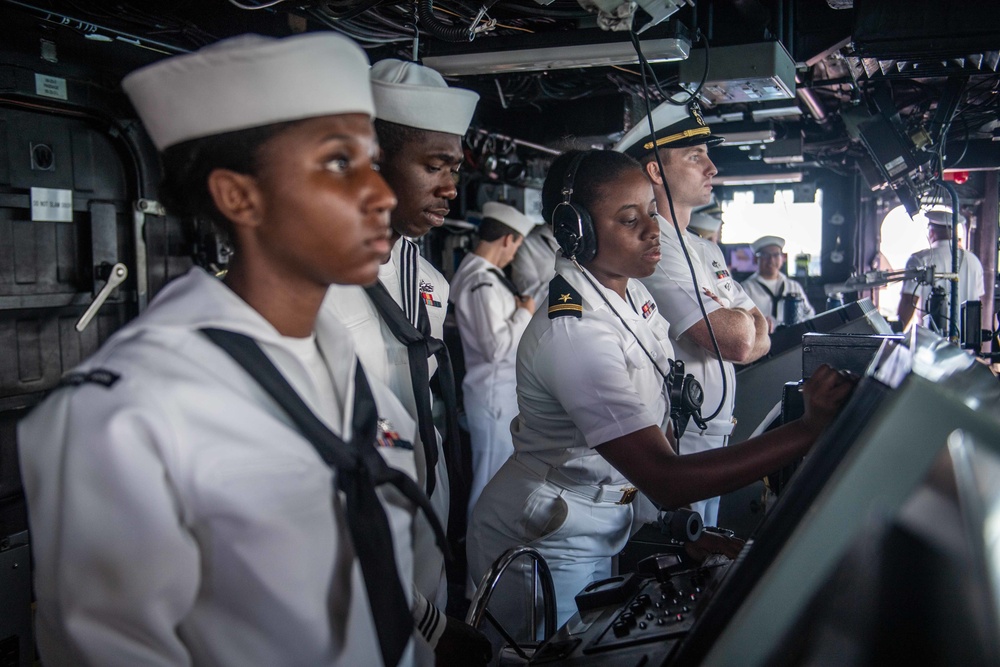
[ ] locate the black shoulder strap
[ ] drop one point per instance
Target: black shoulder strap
(360, 468)
(506, 282)
(564, 299)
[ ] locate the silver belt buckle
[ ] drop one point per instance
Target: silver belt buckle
(628, 495)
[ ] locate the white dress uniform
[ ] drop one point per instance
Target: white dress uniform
(970, 274)
(581, 382)
(769, 297)
(490, 325)
(677, 298)
(385, 359)
(177, 515)
(534, 264)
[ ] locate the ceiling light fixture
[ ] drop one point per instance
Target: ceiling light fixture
(758, 179)
(559, 57)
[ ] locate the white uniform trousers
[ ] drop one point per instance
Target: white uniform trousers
(577, 537)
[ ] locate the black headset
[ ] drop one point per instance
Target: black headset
(572, 225)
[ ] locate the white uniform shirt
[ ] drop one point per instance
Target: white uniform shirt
(382, 355)
(385, 358)
(581, 382)
(490, 324)
(970, 274)
(178, 517)
(675, 294)
(584, 381)
(534, 264)
(755, 289)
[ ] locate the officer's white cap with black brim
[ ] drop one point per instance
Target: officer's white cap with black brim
(509, 216)
(675, 126)
(250, 81)
(416, 96)
(941, 216)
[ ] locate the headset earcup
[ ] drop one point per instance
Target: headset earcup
(566, 229)
(587, 249)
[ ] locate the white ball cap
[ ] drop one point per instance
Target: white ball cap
(765, 241)
(416, 96)
(509, 216)
(250, 81)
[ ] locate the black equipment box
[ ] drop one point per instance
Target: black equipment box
(843, 351)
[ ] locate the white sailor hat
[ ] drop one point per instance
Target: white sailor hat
(941, 216)
(416, 96)
(250, 81)
(509, 216)
(676, 127)
(765, 241)
(706, 223)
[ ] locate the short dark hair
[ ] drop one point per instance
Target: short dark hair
(491, 229)
(186, 166)
(596, 169)
(393, 136)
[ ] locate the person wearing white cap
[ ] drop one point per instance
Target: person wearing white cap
(682, 141)
(399, 322)
(534, 264)
(202, 491)
(492, 314)
(705, 226)
(916, 295)
(771, 289)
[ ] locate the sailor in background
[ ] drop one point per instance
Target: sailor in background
(492, 314)
(180, 514)
(535, 263)
(420, 124)
(682, 141)
(771, 289)
(970, 270)
(708, 227)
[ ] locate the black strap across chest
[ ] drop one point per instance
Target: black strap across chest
(360, 469)
(775, 298)
(419, 346)
(506, 282)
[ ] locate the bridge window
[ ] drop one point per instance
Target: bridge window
(752, 214)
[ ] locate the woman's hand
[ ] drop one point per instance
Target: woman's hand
(825, 394)
(713, 543)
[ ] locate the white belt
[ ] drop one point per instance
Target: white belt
(715, 427)
(598, 493)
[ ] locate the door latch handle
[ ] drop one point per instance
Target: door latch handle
(117, 275)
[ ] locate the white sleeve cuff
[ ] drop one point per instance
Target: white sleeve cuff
(428, 619)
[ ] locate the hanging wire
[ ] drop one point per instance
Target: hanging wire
(266, 5)
(644, 66)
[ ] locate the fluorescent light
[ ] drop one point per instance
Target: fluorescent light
(780, 109)
(559, 57)
(759, 179)
(742, 134)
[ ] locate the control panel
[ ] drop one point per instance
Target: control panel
(649, 619)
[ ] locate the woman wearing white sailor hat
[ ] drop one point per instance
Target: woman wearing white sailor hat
(179, 515)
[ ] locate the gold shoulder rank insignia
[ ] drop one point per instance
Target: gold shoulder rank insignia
(564, 299)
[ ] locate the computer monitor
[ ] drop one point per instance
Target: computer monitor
(759, 385)
(915, 397)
